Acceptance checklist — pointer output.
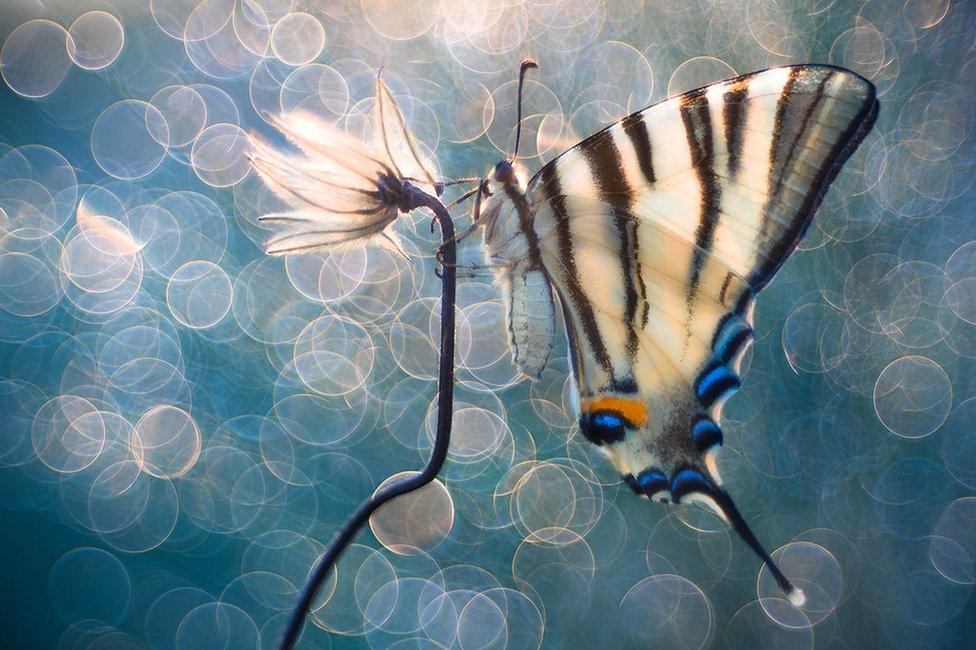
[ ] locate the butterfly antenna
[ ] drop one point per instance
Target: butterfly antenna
(526, 64)
(727, 506)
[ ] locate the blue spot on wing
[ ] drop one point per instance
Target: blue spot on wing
(603, 427)
(606, 420)
(714, 382)
(652, 480)
(687, 481)
(731, 341)
(706, 434)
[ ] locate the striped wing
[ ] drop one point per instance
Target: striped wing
(658, 231)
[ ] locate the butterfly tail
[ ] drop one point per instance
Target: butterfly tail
(700, 484)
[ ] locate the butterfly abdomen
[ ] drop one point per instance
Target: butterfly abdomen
(512, 249)
(531, 317)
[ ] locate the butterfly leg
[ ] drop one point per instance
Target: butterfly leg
(469, 270)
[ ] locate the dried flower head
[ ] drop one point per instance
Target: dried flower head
(341, 192)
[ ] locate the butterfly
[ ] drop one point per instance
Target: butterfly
(656, 234)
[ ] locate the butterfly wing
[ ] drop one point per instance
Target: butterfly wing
(658, 232)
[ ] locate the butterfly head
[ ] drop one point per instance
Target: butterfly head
(504, 172)
(505, 183)
(505, 177)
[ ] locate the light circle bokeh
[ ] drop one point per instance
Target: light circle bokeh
(95, 40)
(166, 441)
(420, 520)
(912, 396)
(34, 58)
(130, 139)
(199, 294)
(297, 39)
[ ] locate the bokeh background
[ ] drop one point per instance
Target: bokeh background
(185, 422)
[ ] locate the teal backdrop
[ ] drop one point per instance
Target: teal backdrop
(184, 422)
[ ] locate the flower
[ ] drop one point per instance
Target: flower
(341, 192)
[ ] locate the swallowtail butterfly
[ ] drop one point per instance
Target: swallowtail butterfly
(656, 234)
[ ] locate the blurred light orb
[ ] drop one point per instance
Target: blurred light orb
(952, 547)
(89, 583)
(95, 40)
(667, 610)
(316, 88)
(912, 396)
(219, 155)
(129, 139)
(365, 573)
(28, 285)
(752, 627)
(481, 624)
(809, 567)
(166, 441)
(34, 58)
(99, 253)
(184, 114)
(297, 39)
(958, 447)
(199, 294)
(216, 626)
(420, 520)
(68, 433)
(397, 21)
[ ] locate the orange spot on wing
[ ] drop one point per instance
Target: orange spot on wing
(632, 410)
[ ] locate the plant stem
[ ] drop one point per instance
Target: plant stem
(413, 198)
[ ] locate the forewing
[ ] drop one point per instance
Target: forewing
(658, 232)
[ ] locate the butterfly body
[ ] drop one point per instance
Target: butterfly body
(656, 234)
(511, 248)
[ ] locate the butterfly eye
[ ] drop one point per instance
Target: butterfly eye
(504, 172)
(604, 427)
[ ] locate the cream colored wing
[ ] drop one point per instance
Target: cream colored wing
(658, 232)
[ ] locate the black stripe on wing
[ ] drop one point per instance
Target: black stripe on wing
(551, 190)
(607, 169)
(635, 128)
(733, 115)
(845, 145)
(698, 129)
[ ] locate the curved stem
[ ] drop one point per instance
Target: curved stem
(413, 198)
